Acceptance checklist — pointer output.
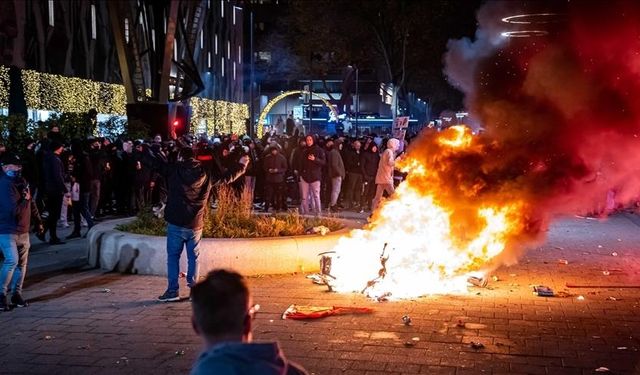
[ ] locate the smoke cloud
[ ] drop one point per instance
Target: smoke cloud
(561, 111)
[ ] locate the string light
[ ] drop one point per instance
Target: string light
(4, 87)
(53, 92)
(44, 91)
(218, 115)
(263, 115)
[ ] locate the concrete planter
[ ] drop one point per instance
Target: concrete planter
(113, 250)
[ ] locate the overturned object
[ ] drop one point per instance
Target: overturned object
(300, 312)
(543, 291)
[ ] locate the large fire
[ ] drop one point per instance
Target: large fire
(561, 117)
(422, 241)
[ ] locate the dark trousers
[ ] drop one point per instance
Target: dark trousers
(369, 191)
(274, 195)
(54, 204)
(81, 208)
(353, 189)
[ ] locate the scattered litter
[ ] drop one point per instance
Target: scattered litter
(106, 290)
(409, 344)
(606, 273)
(614, 254)
(406, 320)
(319, 229)
(477, 345)
(84, 347)
(543, 291)
(580, 298)
(595, 337)
(513, 274)
(270, 320)
(183, 275)
(495, 278)
(563, 261)
(477, 281)
(48, 337)
(558, 247)
(612, 299)
(384, 298)
(622, 348)
(314, 312)
(599, 246)
(179, 352)
(602, 369)
(619, 240)
(317, 278)
(123, 360)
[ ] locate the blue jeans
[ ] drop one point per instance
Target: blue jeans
(177, 238)
(15, 249)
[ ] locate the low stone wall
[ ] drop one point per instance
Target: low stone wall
(113, 250)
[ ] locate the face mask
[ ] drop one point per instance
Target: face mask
(13, 174)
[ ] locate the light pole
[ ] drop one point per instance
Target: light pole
(357, 101)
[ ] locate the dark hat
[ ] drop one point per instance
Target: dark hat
(10, 158)
(56, 145)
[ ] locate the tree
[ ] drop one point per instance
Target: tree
(402, 40)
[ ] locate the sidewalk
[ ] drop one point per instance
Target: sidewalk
(90, 322)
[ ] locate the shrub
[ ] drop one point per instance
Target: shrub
(234, 218)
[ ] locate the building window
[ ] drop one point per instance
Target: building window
(126, 29)
(51, 15)
(93, 21)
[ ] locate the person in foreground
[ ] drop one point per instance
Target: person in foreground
(223, 315)
(17, 210)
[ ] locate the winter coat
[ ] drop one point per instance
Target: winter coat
(54, 174)
(352, 161)
(335, 164)
(240, 359)
(311, 170)
(278, 162)
(188, 186)
(369, 162)
(15, 210)
(387, 163)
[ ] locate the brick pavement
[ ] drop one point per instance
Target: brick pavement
(95, 323)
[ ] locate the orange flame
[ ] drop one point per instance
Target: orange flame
(433, 241)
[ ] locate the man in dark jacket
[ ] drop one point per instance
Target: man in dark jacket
(274, 166)
(370, 160)
(223, 316)
(16, 211)
(353, 183)
(189, 185)
(309, 165)
(55, 188)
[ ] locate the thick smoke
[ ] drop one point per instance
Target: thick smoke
(561, 111)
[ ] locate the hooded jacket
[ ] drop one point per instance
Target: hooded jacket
(311, 170)
(245, 359)
(188, 187)
(387, 163)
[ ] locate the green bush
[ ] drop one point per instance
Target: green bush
(233, 218)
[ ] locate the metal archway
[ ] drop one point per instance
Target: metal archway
(272, 102)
